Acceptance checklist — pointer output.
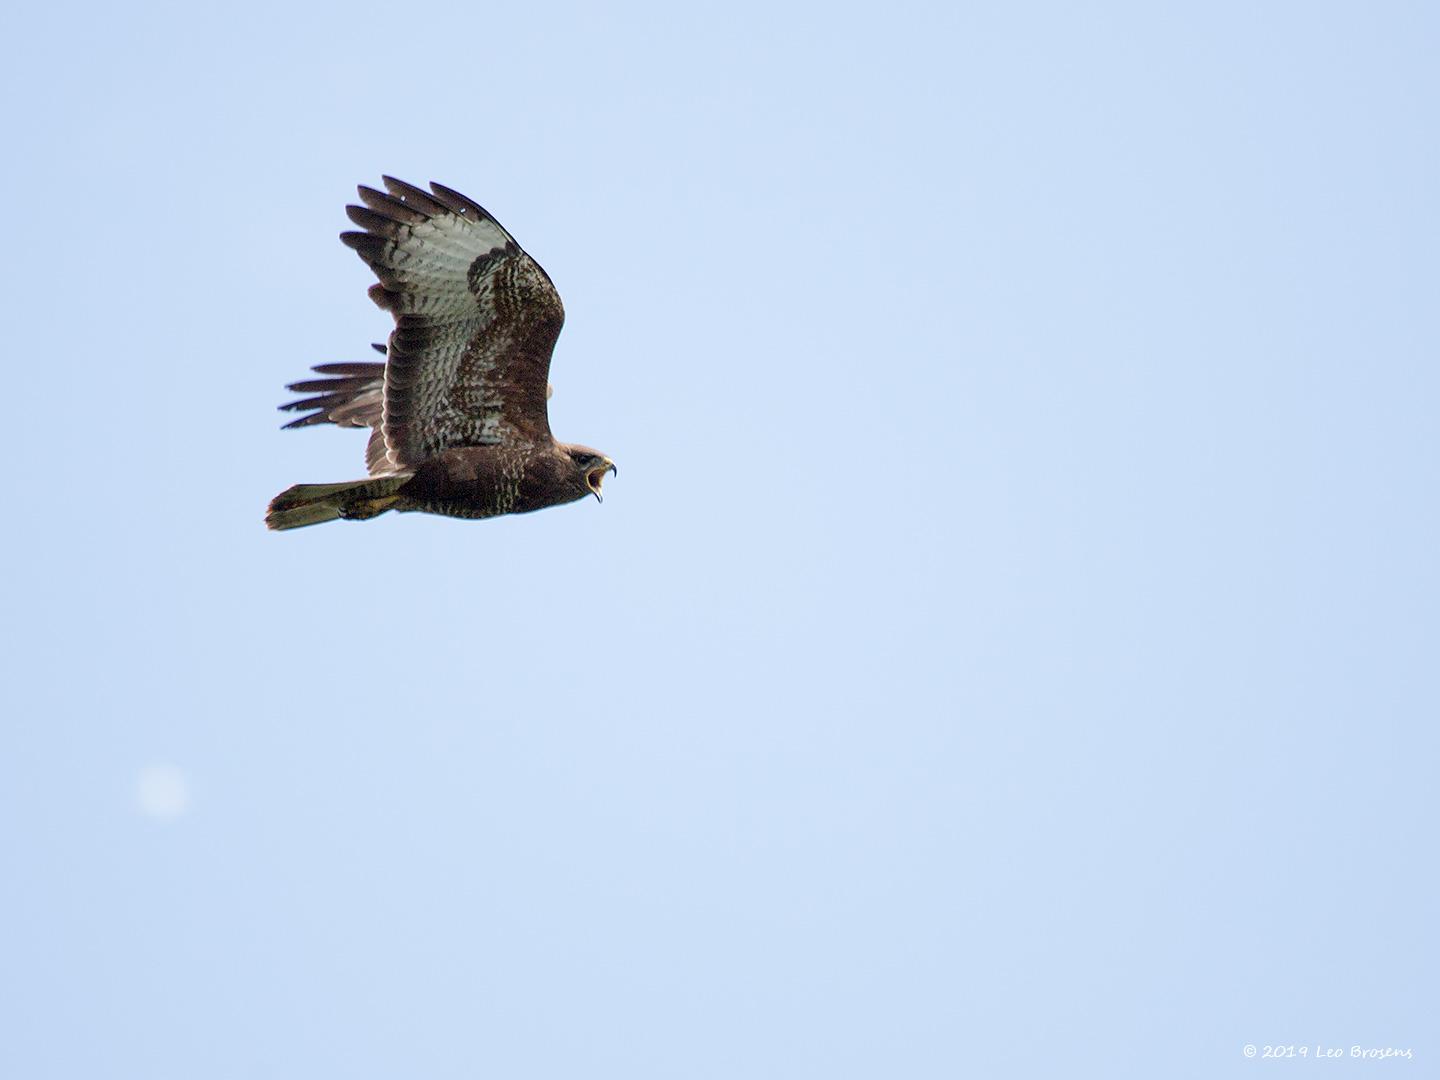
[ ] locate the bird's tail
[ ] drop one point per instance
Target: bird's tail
(310, 504)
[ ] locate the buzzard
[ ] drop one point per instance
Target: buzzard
(458, 408)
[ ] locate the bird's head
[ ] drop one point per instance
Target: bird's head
(591, 467)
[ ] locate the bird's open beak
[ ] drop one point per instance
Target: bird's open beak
(597, 476)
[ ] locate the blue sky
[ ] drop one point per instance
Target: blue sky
(1008, 648)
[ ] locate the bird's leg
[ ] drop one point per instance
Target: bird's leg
(361, 509)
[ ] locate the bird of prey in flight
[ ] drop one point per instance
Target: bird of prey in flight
(457, 410)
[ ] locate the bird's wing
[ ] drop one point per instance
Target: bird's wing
(350, 395)
(475, 323)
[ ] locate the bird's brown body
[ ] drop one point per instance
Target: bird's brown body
(487, 481)
(458, 410)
